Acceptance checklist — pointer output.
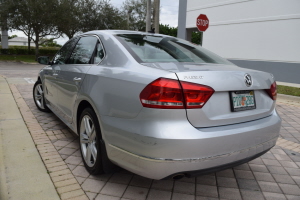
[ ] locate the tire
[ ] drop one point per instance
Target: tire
(38, 97)
(90, 141)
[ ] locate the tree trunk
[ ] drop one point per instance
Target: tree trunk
(69, 35)
(29, 43)
(36, 46)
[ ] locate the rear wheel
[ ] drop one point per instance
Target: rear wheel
(90, 141)
(38, 96)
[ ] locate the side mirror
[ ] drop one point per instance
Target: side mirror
(44, 60)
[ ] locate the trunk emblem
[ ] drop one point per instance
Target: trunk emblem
(193, 77)
(248, 80)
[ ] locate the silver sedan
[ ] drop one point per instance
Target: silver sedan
(156, 105)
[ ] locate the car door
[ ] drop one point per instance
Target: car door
(51, 73)
(70, 76)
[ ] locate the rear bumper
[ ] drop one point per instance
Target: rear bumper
(184, 148)
(222, 167)
(159, 168)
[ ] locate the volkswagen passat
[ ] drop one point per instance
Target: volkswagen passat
(156, 105)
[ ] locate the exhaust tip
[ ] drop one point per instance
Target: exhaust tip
(178, 176)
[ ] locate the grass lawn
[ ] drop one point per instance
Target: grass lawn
(24, 58)
(281, 89)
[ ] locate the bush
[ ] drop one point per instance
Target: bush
(47, 51)
(4, 51)
(22, 50)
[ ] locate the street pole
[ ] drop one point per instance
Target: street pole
(148, 18)
(181, 31)
(156, 15)
(128, 14)
(4, 34)
(4, 38)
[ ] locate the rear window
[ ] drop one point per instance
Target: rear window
(152, 48)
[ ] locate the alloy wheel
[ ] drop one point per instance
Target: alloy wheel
(88, 140)
(39, 96)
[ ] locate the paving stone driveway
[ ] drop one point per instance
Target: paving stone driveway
(275, 175)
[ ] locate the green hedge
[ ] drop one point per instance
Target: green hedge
(15, 50)
(47, 51)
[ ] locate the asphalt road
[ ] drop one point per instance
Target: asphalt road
(19, 70)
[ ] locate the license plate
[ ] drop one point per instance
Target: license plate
(242, 100)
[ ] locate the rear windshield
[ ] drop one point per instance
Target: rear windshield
(151, 48)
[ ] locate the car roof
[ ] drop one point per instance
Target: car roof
(114, 32)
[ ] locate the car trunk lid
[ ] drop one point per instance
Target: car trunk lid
(225, 80)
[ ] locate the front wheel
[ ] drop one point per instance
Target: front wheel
(38, 96)
(90, 141)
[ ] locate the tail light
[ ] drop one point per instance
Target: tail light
(172, 94)
(162, 93)
(196, 95)
(272, 91)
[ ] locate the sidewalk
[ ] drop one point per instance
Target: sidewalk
(22, 172)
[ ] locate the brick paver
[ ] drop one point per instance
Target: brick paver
(275, 175)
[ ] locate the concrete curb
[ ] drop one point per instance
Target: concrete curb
(288, 84)
(29, 63)
(23, 174)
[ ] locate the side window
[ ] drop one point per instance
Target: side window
(99, 53)
(83, 51)
(62, 55)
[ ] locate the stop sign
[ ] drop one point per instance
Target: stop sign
(202, 22)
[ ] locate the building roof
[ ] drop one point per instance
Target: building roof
(18, 39)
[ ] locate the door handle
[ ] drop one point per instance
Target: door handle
(76, 79)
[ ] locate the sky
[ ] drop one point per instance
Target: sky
(168, 15)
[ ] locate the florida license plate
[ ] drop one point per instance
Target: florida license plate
(242, 100)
